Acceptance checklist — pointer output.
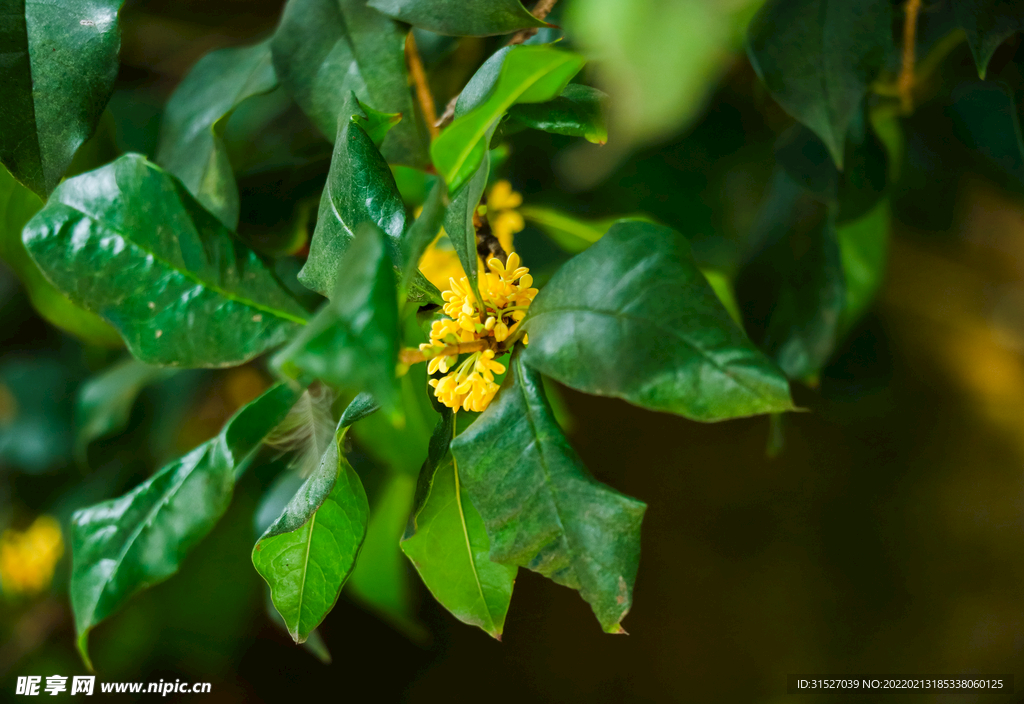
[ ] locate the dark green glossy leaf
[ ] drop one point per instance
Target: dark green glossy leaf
(528, 74)
(324, 49)
(127, 544)
(541, 507)
(633, 317)
(577, 112)
(105, 401)
(475, 18)
(362, 406)
(308, 552)
(798, 274)
(59, 65)
(423, 231)
(987, 24)
(818, 58)
(382, 579)
(360, 188)
(352, 342)
(17, 206)
(130, 243)
(448, 544)
(191, 132)
(458, 221)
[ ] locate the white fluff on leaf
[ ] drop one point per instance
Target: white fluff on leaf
(307, 430)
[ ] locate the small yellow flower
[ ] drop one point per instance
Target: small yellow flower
(507, 293)
(27, 558)
(505, 220)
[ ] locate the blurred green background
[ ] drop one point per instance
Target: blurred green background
(887, 536)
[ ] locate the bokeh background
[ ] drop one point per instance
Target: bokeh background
(887, 535)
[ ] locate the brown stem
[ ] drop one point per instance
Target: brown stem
(413, 356)
(541, 10)
(419, 79)
(487, 245)
(906, 78)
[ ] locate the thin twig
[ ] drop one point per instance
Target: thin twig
(487, 245)
(906, 78)
(541, 10)
(419, 79)
(414, 356)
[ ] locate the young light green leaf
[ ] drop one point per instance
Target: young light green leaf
(324, 49)
(17, 206)
(818, 58)
(127, 544)
(129, 242)
(447, 542)
(476, 18)
(529, 74)
(633, 317)
(863, 249)
(577, 112)
(987, 24)
(105, 401)
(352, 342)
(60, 63)
(191, 132)
(541, 507)
(570, 233)
(309, 551)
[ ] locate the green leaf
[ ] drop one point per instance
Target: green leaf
(818, 58)
(633, 317)
(309, 551)
(105, 401)
(987, 24)
(797, 271)
(324, 49)
(353, 341)
(458, 222)
(381, 578)
(360, 188)
(541, 507)
(529, 74)
(570, 233)
(448, 543)
(127, 544)
(17, 206)
(362, 406)
(863, 249)
(577, 112)
(60, 63)
(476, 18)
(375, 123)
(191, 132)
(858, 187)
(130, 243)
(404, 449)
(423, 231)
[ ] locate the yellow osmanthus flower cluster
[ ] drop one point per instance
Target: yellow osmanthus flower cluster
(507, 291)
(27, 558)
(440, 262)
